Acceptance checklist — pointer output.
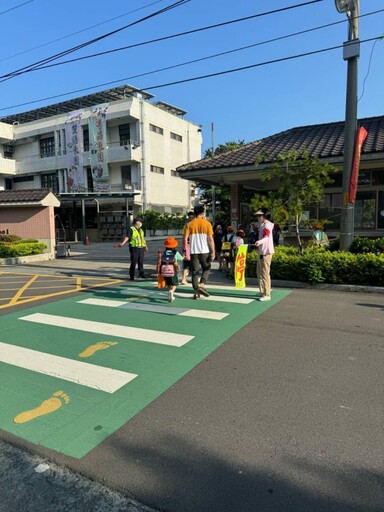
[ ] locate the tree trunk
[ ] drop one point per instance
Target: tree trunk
(299, 242)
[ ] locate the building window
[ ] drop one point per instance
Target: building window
(89, 179)
(175, 173)
(86, 139)
(365, 210)
(156, 129)
(330, 209)
(380, 212)
(22, 179)
(126, 176)
(47, 147)
(177, 137)
(157, 170)
(50, 181)
(124, 134)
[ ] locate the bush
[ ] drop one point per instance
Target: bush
(10, 238)
(321, 265)
(364, 245)
(13, 250)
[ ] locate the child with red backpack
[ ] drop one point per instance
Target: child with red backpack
(168, 266)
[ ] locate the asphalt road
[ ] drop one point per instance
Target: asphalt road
(287, 415)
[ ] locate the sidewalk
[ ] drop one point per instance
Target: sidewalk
(104, 260)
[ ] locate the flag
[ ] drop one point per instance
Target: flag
(74, 151)
(240, 263)
(97, 125)
(361, 136)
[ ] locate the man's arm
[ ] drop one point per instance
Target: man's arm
(126, 239)
(211, 244)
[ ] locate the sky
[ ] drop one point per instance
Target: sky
(247, 105)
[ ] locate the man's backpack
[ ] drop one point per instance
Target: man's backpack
(167, 267)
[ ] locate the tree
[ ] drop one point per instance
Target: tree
(222, 192)
(301, 178)
(223, 148)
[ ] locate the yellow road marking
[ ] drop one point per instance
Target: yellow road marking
(22, 290)
(78, 284)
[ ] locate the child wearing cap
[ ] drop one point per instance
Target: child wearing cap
(168, 265)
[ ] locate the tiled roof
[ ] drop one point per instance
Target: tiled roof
(23, 196)
(321, 140)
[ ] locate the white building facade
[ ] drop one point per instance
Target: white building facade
(145, 141)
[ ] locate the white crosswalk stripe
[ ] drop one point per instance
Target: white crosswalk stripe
(121, 331)
(85, 374)
(195, 313)
(214, 298)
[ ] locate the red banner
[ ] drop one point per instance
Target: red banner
(361, 136)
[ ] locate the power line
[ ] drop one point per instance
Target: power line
(31, 67)
(251, 66)
(234, 50)
(16, 7)
(40, 65)
(80, 31)
(201, 77)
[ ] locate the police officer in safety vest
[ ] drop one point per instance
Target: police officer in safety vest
(137, 247)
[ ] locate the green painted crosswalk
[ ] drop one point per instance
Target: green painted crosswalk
(73, 371)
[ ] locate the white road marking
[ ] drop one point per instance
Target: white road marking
(214, 298)
(85, 374)
(120, 331)
(195, 313)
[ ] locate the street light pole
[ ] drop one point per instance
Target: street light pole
(351, 53)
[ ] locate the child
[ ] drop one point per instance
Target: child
(168, 265)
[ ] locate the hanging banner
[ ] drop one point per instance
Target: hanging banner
(354, 179)
(240, 263)
(97, 124)
(74, 152)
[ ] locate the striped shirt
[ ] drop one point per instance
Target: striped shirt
(198, 231)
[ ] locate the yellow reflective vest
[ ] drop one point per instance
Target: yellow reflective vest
(137, 239)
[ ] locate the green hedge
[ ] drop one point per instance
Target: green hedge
(323, 266)
(24, 248)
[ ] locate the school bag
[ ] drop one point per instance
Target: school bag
(167, 267)
(227, 248)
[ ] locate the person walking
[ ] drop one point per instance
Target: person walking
(168, 262)
(202, 246)
(266, 249)
(187, 267)
(137, 247)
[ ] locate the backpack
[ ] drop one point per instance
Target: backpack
(167, 267)
(227, 248)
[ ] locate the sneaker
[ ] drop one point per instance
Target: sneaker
(183, 282)
(196, 296)
(131, 278)
(264, 298)
(203, 291)
(171, 298)
(142, 276)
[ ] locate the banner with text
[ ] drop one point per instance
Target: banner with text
(240, 263)
(97, 124)
(74, 152)
(354, 179)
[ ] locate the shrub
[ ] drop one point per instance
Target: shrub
(321, 265)
(13, 250)
(364, 245)
(10, 238)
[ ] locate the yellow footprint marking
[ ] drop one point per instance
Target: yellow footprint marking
(102, 345)
(47, 406)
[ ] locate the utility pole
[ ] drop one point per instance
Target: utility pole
(213, 188)
(351, 53)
